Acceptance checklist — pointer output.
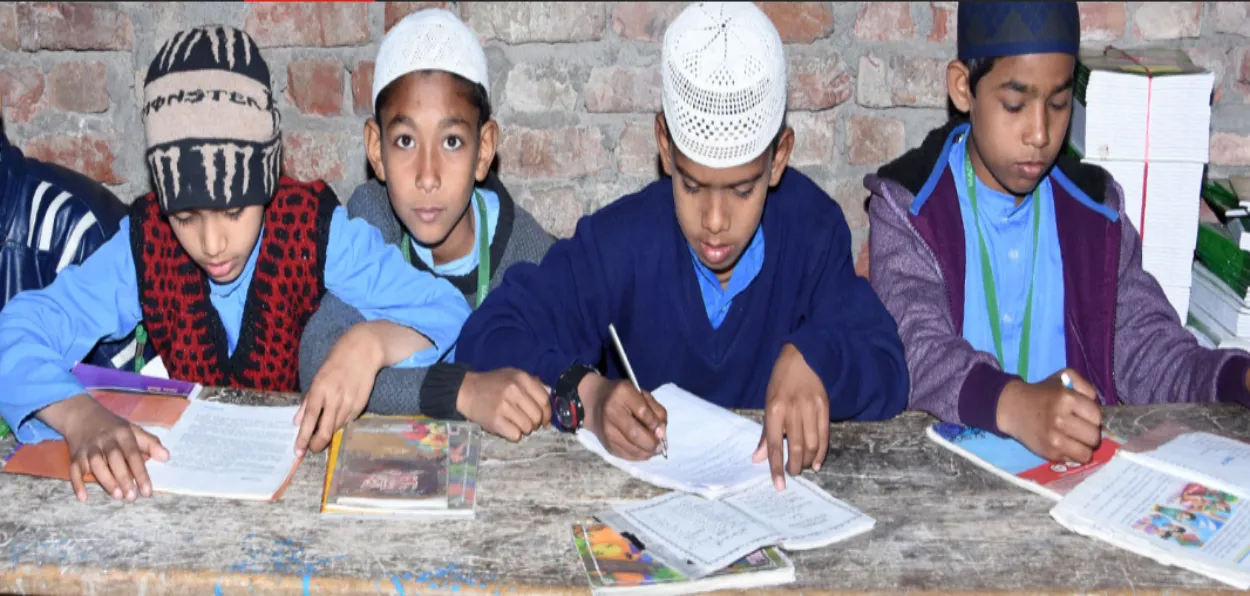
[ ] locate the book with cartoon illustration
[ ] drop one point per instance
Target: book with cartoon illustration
(1181, 503)
(616, 566)
(1012, 461)
(404, 467)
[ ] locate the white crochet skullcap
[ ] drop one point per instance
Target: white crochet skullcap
(431, 39)
(724, 73)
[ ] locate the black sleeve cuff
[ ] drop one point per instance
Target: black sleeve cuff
(440, 390)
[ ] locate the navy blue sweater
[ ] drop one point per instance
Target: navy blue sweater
(629, 264)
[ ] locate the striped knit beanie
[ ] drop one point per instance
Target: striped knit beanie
(211, 122)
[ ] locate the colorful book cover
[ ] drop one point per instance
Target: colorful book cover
(614, 564)
(402, 462)
(1012, 460)
(97, 377)
(1190, 518)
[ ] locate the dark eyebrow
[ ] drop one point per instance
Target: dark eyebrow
(399, 119)
(1016, 86)
(751, 180)
(451, 121)
(1068, 84)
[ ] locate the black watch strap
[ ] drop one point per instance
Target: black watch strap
(567, 412)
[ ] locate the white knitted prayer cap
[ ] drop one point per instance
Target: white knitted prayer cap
(431, 39)
(724, 73)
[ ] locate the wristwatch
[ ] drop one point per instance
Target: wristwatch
(566, 405)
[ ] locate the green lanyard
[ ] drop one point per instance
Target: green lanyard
(483, 250)
(987, 276)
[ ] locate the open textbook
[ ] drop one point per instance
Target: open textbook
(697, 536)
(616, 566)
(709, 448)
(216, 449)
(1012, 461)
(407, 467)
(1181, 504)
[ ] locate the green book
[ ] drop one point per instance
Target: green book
(4, 429)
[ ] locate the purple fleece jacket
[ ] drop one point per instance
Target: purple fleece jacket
(1121, 333)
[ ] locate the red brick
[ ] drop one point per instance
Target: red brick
(552, 153)
(87, 153)
(362, 88)
(316, 86)
(73, 26)
(556, 208)
(1102, 21)
(643, 21)
(901, 81)
(546, 87)
(944, 20)
(800, 22)
(617, 89)
(79, 86)
(309, 156)
(814, 143)
(885, 21)
(536, 22)
(8, 27)
(636, 151)
(282, 24)
(861, 261)
(1228, 149)
(1231, 17)
(873, 141)
(21, 93)
(1167, 20)
(818, 82)
(396, 11)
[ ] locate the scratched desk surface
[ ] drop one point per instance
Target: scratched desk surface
(942, 525)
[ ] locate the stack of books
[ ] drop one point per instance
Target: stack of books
(1218, 310)
(1144, 115)
(403, 467)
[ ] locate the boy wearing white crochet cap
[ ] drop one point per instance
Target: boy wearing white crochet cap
(731, 277)
(430, 142)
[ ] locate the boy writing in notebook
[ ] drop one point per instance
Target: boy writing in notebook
(1009, 266)
(222, 265)
(731, 277)
(431, 141)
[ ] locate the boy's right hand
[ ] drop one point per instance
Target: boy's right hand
(104, 445)
(1053, 421)
(629, 423)
(507, 402)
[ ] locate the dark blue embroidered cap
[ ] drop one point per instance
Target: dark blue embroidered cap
(999, 29)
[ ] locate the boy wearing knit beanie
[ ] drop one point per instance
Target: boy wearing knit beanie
(220, 268)
(731, 277)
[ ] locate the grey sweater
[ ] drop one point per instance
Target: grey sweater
(518, 237)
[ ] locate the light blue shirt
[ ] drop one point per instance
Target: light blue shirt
(1008, 232)
(717, 299)
(468, 263)
(43, 333)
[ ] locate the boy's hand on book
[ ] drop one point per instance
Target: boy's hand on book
(797, 411)
(106, 446)
(1054, 422)
(507, 402)
(340, 390)
(627, 422)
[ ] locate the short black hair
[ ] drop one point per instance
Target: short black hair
(476, 93)
(977, 68)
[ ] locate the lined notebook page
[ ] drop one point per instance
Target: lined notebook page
(709, 448)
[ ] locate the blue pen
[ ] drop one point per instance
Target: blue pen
(1067, 381)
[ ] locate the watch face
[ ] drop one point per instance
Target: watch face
(566, 415)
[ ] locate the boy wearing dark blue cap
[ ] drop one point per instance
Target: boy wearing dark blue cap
(1012, 271)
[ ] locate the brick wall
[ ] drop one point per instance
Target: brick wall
(575, 86)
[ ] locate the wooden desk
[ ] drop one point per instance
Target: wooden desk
(942, 525)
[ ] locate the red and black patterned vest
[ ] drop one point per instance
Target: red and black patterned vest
(286, 288)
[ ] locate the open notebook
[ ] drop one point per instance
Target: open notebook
(698, 537)
(1180, 504)
(709, 448)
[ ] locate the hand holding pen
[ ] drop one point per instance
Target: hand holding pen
(627, 415)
